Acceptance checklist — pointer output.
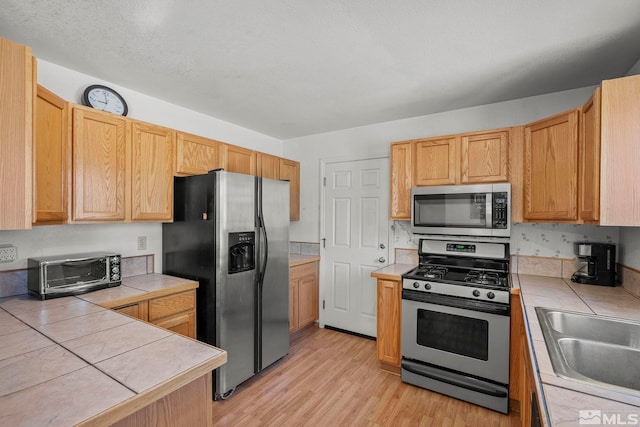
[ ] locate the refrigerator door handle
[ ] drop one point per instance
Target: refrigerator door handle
(264, 244)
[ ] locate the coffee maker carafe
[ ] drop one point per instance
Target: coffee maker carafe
(595, 264)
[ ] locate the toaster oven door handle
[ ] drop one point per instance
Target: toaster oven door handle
(79, 262)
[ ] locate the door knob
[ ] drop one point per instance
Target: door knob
(382, 246)
(382, 259)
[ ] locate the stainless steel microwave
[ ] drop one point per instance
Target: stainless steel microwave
(462, 210)
(64, 275)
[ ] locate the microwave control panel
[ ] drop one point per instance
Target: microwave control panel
(500, 203)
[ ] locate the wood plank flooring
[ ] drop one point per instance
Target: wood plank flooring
(331, 378)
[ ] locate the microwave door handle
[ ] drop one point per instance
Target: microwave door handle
(489, 210)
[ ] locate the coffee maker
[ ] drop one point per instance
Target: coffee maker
(595, 264)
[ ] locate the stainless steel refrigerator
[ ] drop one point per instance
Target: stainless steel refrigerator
(231, 233)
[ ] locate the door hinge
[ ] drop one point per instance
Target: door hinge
(323, 301)
(324, 181)
(324, 243)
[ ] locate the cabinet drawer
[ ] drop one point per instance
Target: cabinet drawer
(183, 324)
(303, 270)
(172, 304)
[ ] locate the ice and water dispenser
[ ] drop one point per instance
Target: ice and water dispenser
(241, 251)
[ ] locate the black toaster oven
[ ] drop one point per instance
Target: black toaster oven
(64, 275)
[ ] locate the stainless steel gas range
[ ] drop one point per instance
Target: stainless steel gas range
(456, 321)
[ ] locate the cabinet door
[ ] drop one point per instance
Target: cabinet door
(515, 349)
(290, 171)
(589, 159)
(53, 158)
(152, 172)
(99, 150)
(401, 180)
(620, 170)
(268, 166)
(307, 300)
(240, 160)
(484, 157)
(293, 305)
(196, 155)
(389, 318)
(551, 168)
(17, 86)
(435, 161)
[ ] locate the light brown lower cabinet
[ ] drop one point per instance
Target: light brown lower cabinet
(175, 312)
(303, 295)
(389, 324)
(188, 406)
(389, 318)
(522, 388)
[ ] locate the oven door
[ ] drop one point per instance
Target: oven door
(471, 337)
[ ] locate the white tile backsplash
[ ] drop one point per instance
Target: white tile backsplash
(531, 239)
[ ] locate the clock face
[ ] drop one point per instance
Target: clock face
(105, 99)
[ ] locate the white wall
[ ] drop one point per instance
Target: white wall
(629, 250)
(374, 139)
(70, 84)
(55, 240)
(68, 239)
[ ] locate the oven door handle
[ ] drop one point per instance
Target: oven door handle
(452, 378)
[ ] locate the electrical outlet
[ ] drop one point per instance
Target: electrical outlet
(8, 253)
(142, 243)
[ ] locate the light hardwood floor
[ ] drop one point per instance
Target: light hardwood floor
(331, 378)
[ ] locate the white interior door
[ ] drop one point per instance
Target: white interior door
(357, 242)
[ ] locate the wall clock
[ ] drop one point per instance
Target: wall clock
(105, 99)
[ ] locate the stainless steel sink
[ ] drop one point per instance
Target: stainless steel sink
(594, 349)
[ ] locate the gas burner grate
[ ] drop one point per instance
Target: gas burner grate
(482, 278)
(432, 272)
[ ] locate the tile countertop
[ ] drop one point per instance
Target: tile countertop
(392, 271)
(295, 259)
(564, 398)
(68, 360)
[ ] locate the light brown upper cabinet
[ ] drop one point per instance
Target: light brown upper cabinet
(620, 151)
(17, 86)
(197, 155)
(152, 155)
(468, 158)
(589, 159)
(401, 179)
(52, 150)
(240, 160)
(122, 168)
(436, 161)
(290, 171)
(100, 145)
(484, 157)
(268, 166)
(551, 168)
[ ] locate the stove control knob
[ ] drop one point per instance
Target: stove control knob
(491, 295)
(476, 293)
(416, 285)
(427, 286)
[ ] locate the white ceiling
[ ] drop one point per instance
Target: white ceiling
(289, 68)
